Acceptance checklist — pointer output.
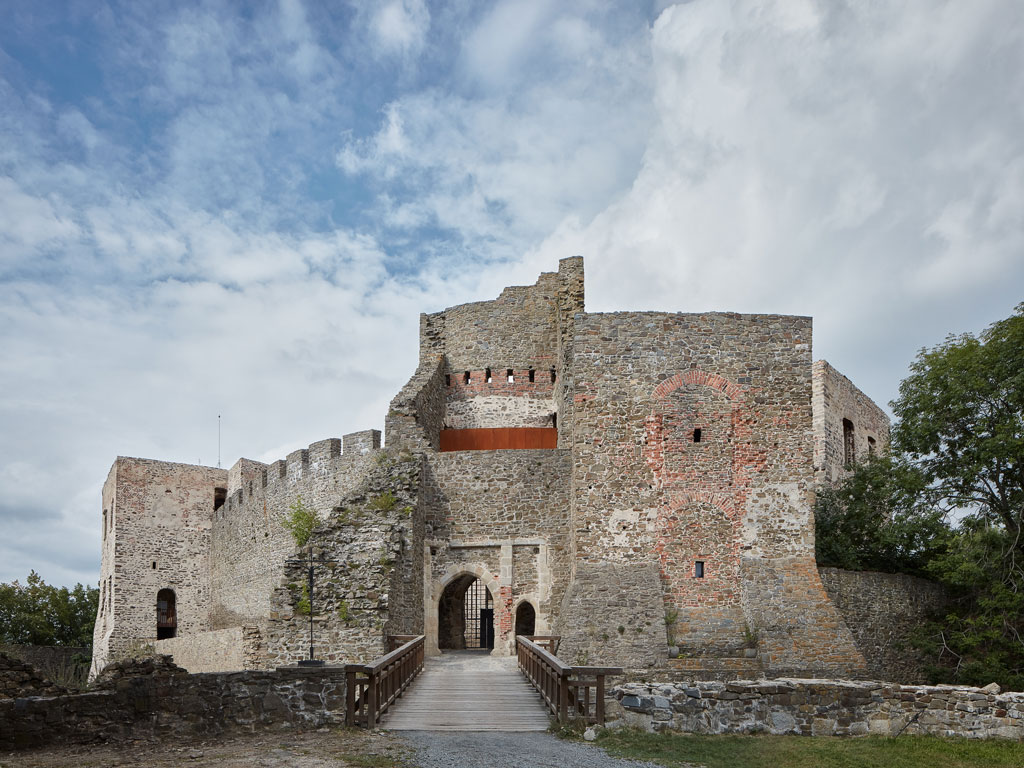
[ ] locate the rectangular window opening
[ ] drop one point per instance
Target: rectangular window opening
(696, 435)
(871, 446)
(552, 375)
(220, 495)
(849, 443)
(487, 375)
(532, 374)
(698, 569)
(510, 376)
(447, 379)
(154, 565)
(465, 378)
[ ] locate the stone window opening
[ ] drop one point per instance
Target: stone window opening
(447, 379)
(532, 374)
(154, 565)
(871, 446)
(510, 377)
(220, 495)
(698, 569)
(552, 375)
(466, 378)
(697, 435)
(554, 421)
(166, 615)
(526, 619)
(849, 445)
(104, 524)
(487, 375)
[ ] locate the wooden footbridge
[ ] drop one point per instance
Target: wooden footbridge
(472, 690)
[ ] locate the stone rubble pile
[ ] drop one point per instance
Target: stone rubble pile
(18, 680)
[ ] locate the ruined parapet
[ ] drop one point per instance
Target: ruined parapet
(848, 425)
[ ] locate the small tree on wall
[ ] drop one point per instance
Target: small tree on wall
(300, 522)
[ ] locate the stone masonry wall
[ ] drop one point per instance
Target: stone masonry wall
(820, 708)
(370, 583)
(503, 516)
(185, 707)
(416, 415)
(836, 398)
(249, 543)
(157, 519)
(222, 650)
(881, 611)
(479, 403)
(735, 496)
(614, 614)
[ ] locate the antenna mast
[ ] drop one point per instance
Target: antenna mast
(218, 441)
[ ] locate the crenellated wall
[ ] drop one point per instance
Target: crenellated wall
(249, 542)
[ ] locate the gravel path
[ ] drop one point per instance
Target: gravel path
(507, 750)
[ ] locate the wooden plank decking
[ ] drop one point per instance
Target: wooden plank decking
(468, 691)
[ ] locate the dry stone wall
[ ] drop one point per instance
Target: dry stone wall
(811, 707)
(184, 707)
(835, 399)
(882, 610)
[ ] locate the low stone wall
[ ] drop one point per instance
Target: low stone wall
(221, 650)
(881, 611)
(179, 705)
(820, 708)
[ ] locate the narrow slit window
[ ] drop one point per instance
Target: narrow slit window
(697, 435)
(465, 378)
(487, 375)
(104, 523)
(698, 569)
(532, 375)
(554, 421)
(871, 446)
(849, 443)
(552, 375)
(510, 377)
(447, 379)
(154, 565)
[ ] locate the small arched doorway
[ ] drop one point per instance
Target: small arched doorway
(526, 619)
(465, 615)
(166, 614)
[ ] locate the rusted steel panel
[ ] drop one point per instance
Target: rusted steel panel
(503, 438)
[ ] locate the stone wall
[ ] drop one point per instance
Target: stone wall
(18, 678)
(834, 399)
(881, 611)
(690, 442)
(182, 706)
(416, 415)
(498, 402)
(614, 615)
(222, 650)
(370, 583)
(249, 544)
(157, 517)
(504, 517)
(820, 708)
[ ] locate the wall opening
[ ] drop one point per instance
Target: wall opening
(465, 617)
(526, 619)
(696, 435)
(487, 375)
(510, 377)
(220, 495)
(166, 614)
(849, 445)
(698, 569)
(552, 375)
(532, 374)
(465, 377)
(447, 379)
(872, 447)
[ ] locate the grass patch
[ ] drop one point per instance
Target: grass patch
(679, 751)
(372, 761)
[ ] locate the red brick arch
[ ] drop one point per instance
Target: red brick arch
(729, 388)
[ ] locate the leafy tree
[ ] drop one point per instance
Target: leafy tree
(36, 613)
(876, 520)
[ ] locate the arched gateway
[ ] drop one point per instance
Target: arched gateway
(465, 615)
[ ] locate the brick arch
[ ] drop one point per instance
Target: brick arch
(727, 387)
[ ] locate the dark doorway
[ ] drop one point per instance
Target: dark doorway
(526, 620)
(166, 615)
(465, 615)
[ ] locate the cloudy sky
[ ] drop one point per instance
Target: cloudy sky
(241, 209)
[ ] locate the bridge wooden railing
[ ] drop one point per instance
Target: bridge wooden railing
(371, 688)
(548, 642)
(569, 692)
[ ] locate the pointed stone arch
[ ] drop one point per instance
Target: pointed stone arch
(438, 586)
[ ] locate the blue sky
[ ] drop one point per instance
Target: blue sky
(241, 208)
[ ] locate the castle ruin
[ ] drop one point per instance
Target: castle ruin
(640, 483)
